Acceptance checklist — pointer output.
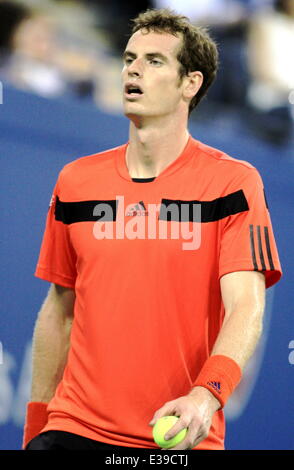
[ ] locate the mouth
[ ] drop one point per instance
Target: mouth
(132, 91)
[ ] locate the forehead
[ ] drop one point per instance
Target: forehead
(144, 42)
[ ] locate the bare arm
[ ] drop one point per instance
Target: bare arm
(243, 295)
(51, 342)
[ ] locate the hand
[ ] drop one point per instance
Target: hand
(195, 412)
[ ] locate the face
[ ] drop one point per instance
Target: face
(150, 64)
(35, 39)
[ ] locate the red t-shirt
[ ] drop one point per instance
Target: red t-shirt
(146, 268)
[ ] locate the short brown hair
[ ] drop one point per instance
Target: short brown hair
(198, 50)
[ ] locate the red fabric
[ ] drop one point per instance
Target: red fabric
(147, 310)
(36, 419)
(220, 375)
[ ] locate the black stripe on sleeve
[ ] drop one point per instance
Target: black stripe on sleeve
(268, 249)
(85, 211)
(252, 245)
(263, 267)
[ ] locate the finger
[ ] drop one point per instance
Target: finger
(185, 444)
(199, 439)
(189, 442)
(182, 423)
(166, 410)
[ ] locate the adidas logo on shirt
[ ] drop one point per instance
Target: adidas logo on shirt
(137, 209)
(216, 386)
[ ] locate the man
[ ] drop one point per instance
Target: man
(155, 306)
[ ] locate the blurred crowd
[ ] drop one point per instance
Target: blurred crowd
(57, 48)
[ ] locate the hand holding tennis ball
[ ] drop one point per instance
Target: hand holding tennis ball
(164, 424)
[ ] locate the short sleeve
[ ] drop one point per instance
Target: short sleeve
(57, 258)
(247, 238)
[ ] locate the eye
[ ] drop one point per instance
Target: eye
(128, 60)
(155, 62)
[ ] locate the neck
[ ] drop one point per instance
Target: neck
(154, 145)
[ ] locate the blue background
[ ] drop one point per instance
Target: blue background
(37, 138)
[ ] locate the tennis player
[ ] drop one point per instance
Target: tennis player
(158, 252)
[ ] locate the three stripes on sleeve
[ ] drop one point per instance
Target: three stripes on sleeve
(260, 248)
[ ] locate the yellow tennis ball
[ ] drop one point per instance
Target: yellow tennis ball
(161, 427)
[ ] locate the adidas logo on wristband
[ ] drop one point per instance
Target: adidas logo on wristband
(215, 385)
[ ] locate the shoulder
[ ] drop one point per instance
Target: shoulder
(88, 162)
(220, 158)
(83, 174)
(225, 168)
(80, 171)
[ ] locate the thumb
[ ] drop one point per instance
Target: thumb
(152, 422)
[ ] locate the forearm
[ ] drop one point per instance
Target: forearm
(240, 334)
(243, 295)
(51, 342)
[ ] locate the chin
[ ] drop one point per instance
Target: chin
(129, 112)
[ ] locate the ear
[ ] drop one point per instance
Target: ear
(193, 82)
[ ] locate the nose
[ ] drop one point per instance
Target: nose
(135, 68)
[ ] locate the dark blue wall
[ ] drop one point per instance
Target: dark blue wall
(37, 138)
